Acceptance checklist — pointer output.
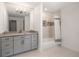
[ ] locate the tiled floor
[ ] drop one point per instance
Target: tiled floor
(53, 52)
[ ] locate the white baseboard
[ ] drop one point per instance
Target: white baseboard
(73, 49)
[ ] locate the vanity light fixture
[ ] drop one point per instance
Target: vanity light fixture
(20, 10)
(17, 9)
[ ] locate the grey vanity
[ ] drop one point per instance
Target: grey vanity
(15, 44)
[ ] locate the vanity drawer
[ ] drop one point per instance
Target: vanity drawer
(7, 52)
(34, 38)
(7, 45)
(7, 42)
(7, 39)
(28, 36)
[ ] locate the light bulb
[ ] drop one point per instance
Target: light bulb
(17, 9)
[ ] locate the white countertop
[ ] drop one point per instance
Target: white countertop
(16, 33)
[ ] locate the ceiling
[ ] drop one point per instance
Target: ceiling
(54, 6)
(13, 8)
(51, 7)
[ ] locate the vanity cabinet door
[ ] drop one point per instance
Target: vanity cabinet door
(34, 41)
(18, 44)
(27, 43)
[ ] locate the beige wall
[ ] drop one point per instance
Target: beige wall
(35, 23)
(70, 26)
(3, 18)
(27, 22)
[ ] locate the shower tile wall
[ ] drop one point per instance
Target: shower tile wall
(48, 31)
